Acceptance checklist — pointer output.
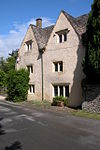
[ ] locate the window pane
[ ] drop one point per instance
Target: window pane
(61, 66)
(61, 90)
(60, 38)
(28, 67)
(33, 89)
(67, 91)
(56, 66)
(31, 69)
(30, 45)
(55, 90)
(30, 89)
(65, 37)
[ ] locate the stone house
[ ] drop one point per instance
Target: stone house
(53, 56)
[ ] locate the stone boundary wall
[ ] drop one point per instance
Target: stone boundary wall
(92, 99)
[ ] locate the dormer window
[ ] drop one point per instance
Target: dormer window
(28, 45)
(62, 35)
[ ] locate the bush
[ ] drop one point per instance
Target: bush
(60, 99)
(17, 85)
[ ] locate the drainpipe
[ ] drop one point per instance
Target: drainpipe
(42, 51)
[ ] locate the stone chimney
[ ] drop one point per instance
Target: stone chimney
(39, 22)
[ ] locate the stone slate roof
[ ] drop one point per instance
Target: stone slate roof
(79, 23)
(42, 35)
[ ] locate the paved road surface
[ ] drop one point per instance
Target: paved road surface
(34, 129)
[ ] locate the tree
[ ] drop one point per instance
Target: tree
(17, 86)
(11, 61)
(2, 63)
(2, 78)
(92, 58)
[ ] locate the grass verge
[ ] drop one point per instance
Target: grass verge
(81, 113)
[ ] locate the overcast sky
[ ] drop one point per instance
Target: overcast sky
(16, 15)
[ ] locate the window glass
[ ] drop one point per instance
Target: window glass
(30, 69)
(56, 67)
(67, 91)
(55, 90)
(61, 90)
(31, 89)
(65, 37)
(60, 38)
(60, 66)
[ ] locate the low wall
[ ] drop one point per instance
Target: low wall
(92, 98)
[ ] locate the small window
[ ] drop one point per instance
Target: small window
(29, 45)
(30, 69)
(31, 89)
(62, 37)
(58, 66)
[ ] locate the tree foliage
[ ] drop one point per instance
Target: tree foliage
(2, 78)
(9, 64)
(17, 86)
(92, 58)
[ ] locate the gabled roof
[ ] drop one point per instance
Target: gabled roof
(79, 23)
(42, 35)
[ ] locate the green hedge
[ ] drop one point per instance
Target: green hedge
(17, 87)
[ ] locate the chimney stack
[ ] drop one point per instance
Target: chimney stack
(39, 22)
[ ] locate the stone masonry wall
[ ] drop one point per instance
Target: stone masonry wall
(92, 99)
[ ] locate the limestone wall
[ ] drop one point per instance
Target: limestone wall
(92, 97)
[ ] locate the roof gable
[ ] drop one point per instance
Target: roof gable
(42, 35)
(79, 23)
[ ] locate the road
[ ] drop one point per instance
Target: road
(25, 128)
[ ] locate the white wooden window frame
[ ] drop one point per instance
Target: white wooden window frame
(30, 69)
(31, 89)
(64, 92)
(58, 64)
(28, 46)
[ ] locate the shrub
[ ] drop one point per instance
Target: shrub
(60, 99)
(17, 85)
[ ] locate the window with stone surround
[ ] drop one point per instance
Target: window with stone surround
(30, 69)
(58, 66)
(62, 35)
(28, 45)
(31, 89)
(61, 90)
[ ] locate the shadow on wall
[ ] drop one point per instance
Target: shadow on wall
(76, 90)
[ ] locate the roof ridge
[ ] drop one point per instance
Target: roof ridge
(48, 26)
